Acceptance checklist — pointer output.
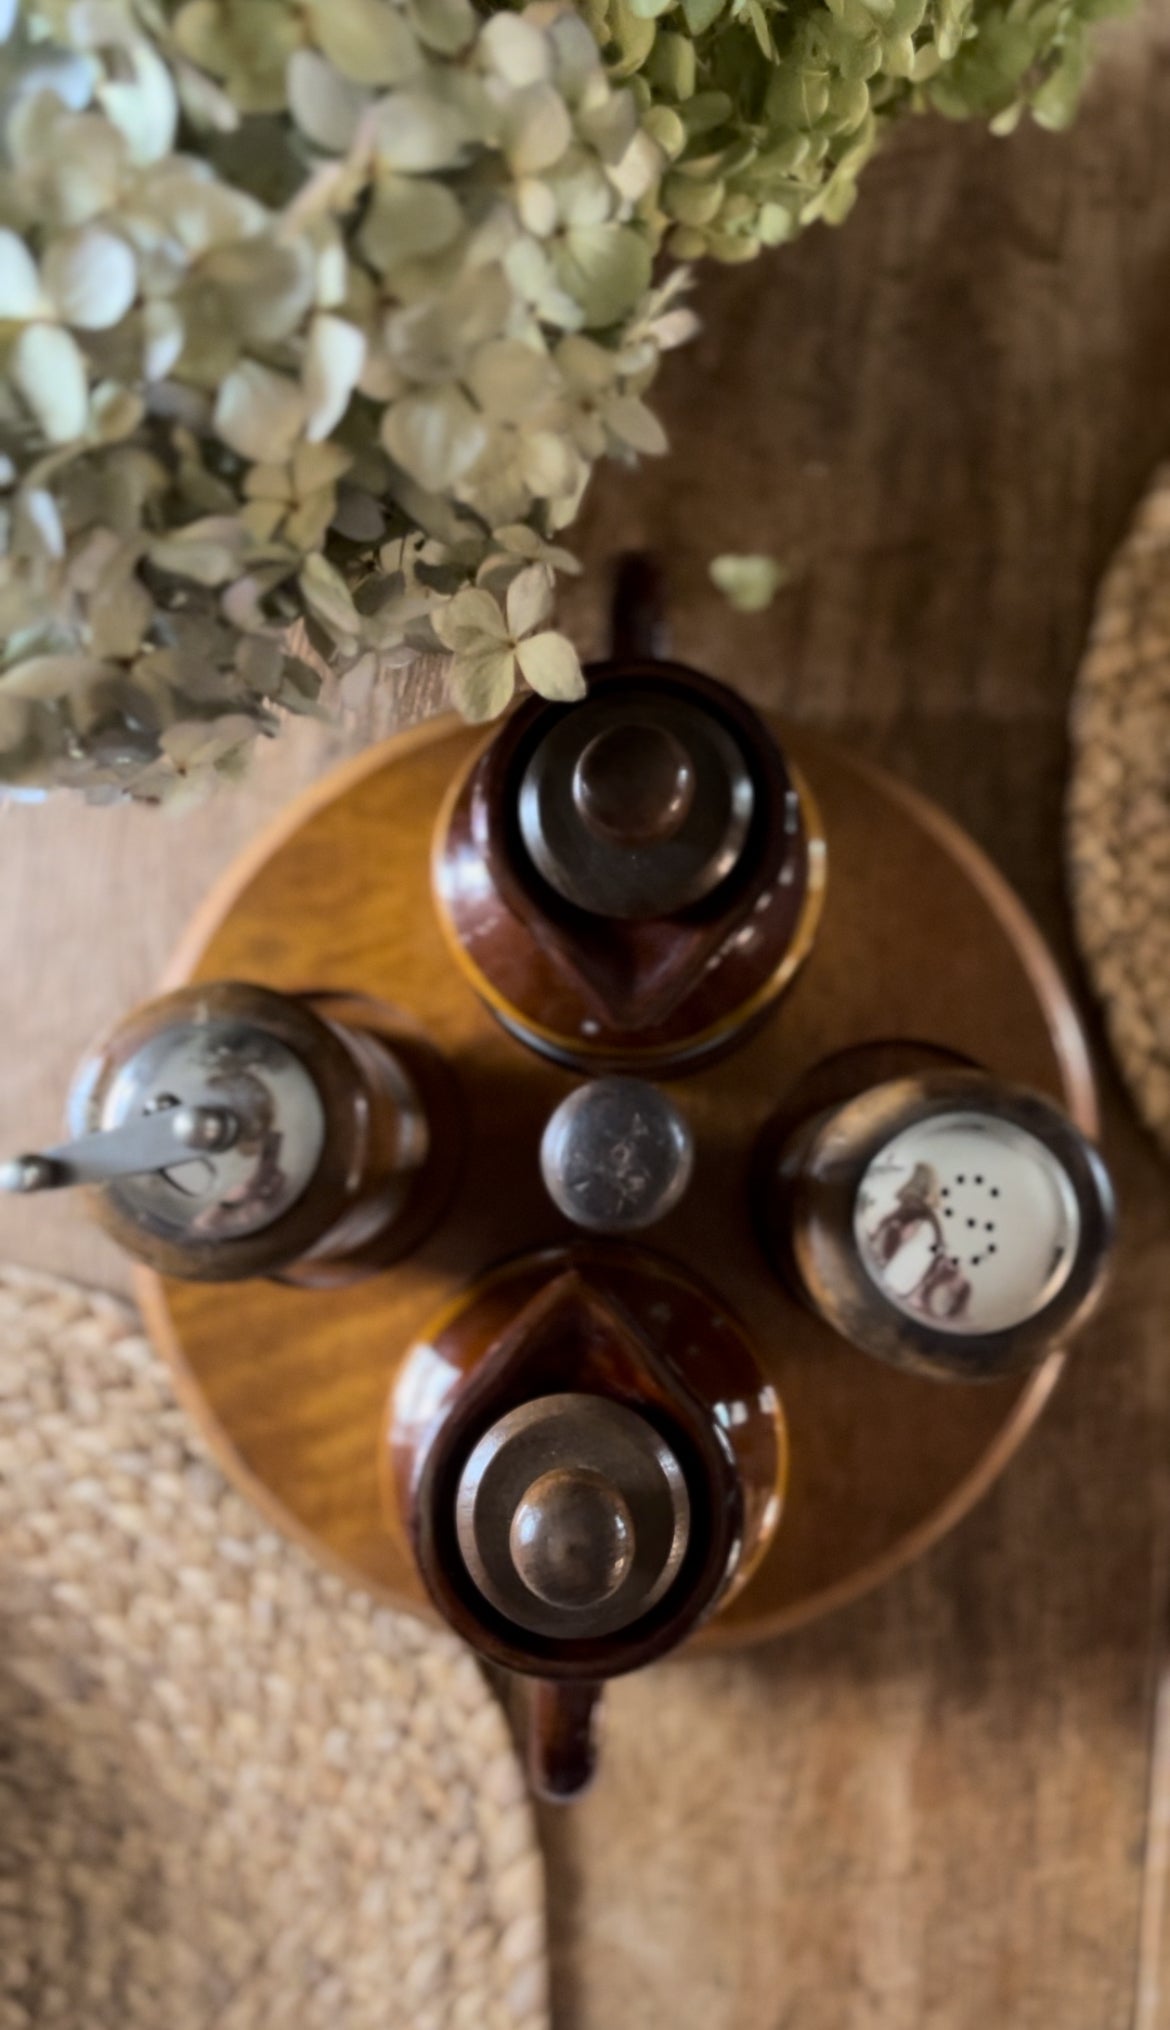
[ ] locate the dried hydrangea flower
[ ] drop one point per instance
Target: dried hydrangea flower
(322, 311)
(768, 112)
(311, 311)
(748, 583)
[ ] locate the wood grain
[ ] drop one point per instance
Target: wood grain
(929, 1813)
(292, 1390)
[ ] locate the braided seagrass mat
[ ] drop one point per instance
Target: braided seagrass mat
(233, 1792)
(1119, 806)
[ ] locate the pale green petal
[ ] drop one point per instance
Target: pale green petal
(583, 192)
(21, 295)
(446, 26)
(313, 466)
(471, 622)
(369, 41)
(263, 286)
(77, 161)
(610, 126)
(549, 465)
(40, 517)
(482, 686)
(144, 108)
(577, 60)
(209, 551)
(409, 217)
(92, 278)
(196, 210)
(605, 269)
(415, 132)
(552, 666)
(516, 50)
(585, 365)
(49, 371)
(334, 359)
(701, 13)
(748, 583)
(535, 202)
(634, 36)
(537, 129)
(325, 105)
(677, 327)
(259, 413)
(529, 600)
(636, 425)
(511, 380)
(328, 597)
(162, 339)
(115, 411)
(436, 436)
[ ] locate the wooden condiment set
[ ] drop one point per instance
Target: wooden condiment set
(584, 1448)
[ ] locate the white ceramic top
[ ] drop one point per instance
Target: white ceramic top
(967, 1222)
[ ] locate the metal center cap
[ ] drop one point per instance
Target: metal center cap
(636, 804)
(572, 1516)
(634, 784)
(572, 1537)
(616, 1155)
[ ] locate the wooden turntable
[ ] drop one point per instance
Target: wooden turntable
(919, 940)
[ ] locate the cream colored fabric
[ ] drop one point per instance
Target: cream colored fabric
(1119, 805)
(234, 1794)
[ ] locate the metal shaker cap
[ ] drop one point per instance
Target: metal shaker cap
(969, 1221)
(572, 1516)
(616, 1155)
(636, 803)
(249, 1078)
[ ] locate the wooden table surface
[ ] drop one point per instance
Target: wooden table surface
(948, 1807)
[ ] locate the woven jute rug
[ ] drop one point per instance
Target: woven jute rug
(233, 1792)
(1119, 806)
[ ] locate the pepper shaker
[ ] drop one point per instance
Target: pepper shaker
(228, 1131)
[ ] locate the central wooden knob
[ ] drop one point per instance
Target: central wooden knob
(634, 784)
(572, 1537)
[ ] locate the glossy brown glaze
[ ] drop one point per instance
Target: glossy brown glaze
(290, 1388)
(632, 1327)
(661, 994)
(563, 1725)
(360, 1210)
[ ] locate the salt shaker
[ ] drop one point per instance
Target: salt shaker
(943, 1221)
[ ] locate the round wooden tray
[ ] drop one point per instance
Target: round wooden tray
(920, 939)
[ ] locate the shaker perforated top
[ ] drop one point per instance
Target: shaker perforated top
(967, 1222)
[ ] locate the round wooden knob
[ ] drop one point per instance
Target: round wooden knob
(572, 1537)
(634, 784)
